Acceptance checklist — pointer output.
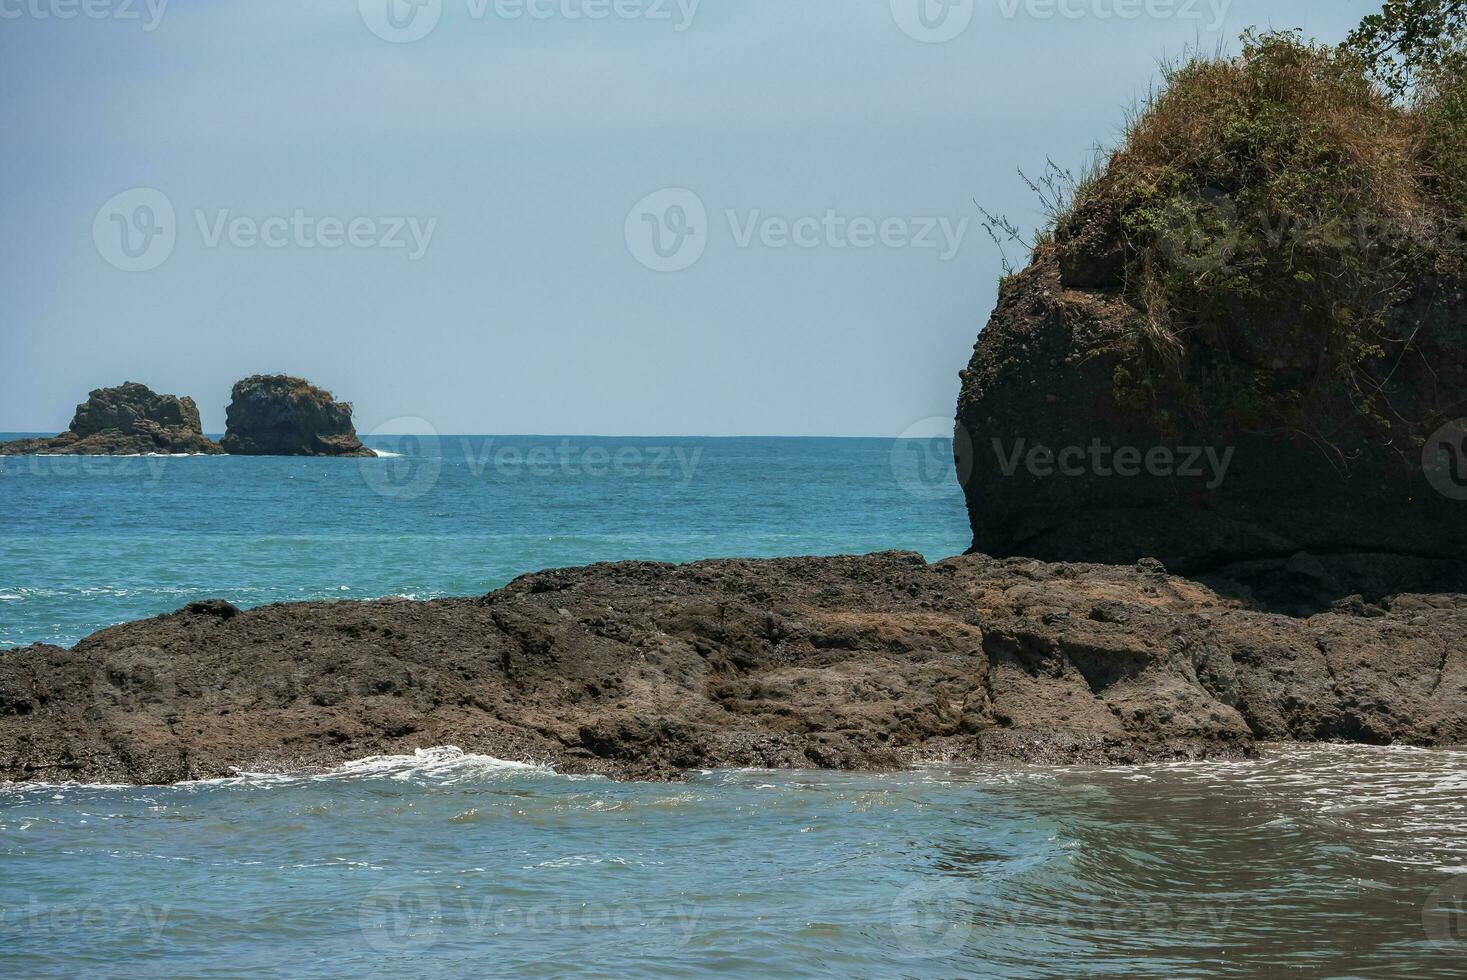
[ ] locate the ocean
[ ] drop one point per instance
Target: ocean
(93, 541)
(1309, 860)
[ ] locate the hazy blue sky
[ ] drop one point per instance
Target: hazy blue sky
(524, 144)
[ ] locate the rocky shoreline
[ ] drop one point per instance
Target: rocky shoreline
(648, 671)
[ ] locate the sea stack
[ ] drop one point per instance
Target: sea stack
(128, 420)
(1058, 464)
(279, 415)
(1226, 355)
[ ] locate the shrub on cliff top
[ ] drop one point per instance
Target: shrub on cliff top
(1272, 210)
(1444, 146)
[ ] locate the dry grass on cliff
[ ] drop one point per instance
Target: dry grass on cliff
(1290, 119)
(1278, 205)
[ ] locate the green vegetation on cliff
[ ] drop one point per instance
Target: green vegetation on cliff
(1284, 224)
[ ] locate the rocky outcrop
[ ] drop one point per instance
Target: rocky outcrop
(1244, 335)
(130, 419)
(277, 415)
(1058, 465)
(649, 670)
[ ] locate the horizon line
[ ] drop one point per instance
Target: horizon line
(216, 436)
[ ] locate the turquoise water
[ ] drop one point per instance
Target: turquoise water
(1325, 861)
(93, 541)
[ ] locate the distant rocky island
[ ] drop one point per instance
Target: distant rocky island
(269, 415)
(277, 415)
(130, 419)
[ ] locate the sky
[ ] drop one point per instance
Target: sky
(599, 217)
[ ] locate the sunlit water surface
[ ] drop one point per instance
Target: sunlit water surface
(1331, 861)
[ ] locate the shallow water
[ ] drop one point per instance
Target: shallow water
(93, 541)
(1330, 861)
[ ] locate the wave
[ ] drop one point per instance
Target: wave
(442, 765)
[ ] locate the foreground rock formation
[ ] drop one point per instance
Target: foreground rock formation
(647, 670)
(130, 419)
(278, 415)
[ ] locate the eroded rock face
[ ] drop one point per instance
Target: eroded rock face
(1056, 467)
(647, 670)
(278, 415)
(129, 419)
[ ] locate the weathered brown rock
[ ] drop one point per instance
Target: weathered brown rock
(277, 415)
(1042, 430)
(646, 670)
(130, 419)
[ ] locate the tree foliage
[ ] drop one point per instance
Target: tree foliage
(1410, 41)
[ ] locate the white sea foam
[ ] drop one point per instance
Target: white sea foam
(442, 765)
(56, 788)
(384, 454)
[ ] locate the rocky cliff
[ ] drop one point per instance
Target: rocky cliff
(278, 415)
(648, 670)
(129, 419)
(1245, 339)
(1057, 466)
